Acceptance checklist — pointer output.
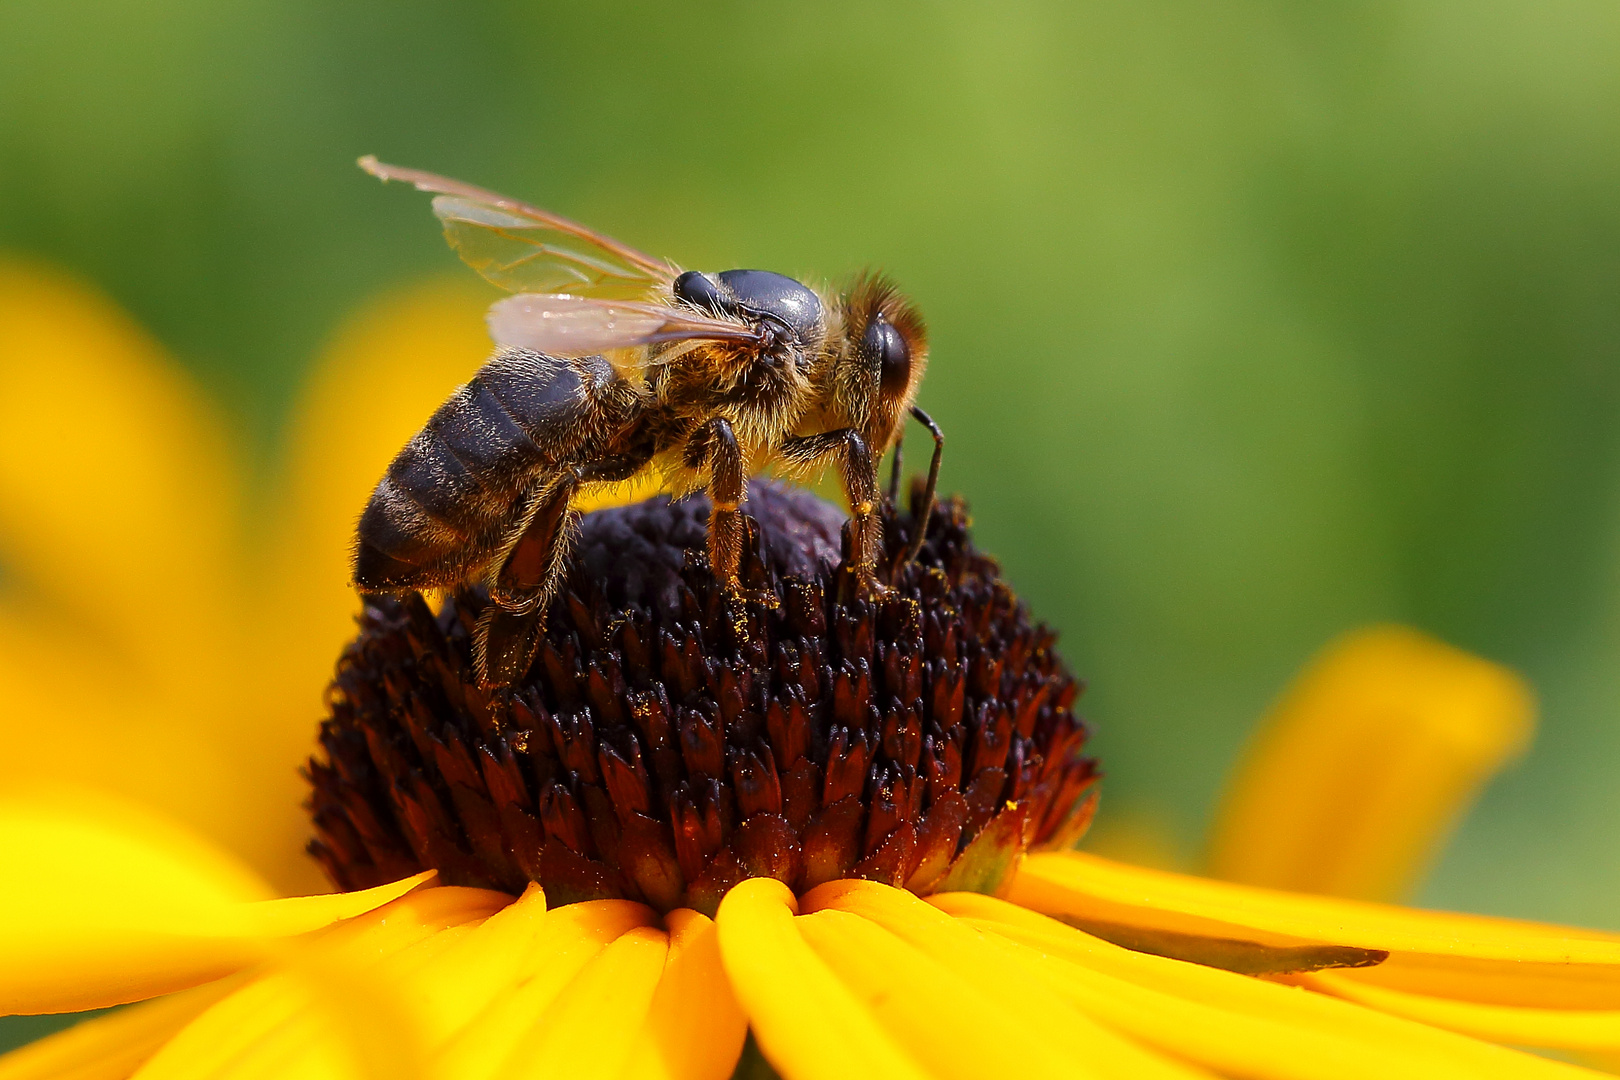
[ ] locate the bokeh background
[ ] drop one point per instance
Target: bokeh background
(1252, 321)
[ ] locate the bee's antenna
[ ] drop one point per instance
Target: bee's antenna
(933, 481)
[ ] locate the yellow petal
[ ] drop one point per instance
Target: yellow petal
(112, 1047)
(1367, 763)
(694, 1028)
(583, 1033)
(1232, 954)
(119, 531)
(1568, 1029)
(1233, 1023)
(116, 480)
(453, 987)
(977, 959)
(570, 937)
(102, 903)
(87, 957)
(808, 1024)
(955, 1028)
(332, 1010)
(78, 714)
(76, 839)
(94, 898)
(301, 914)
(1465, 956)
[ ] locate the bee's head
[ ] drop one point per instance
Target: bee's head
(880, 359)
(788, 312)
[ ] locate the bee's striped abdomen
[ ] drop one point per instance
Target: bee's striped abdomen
(451, 495)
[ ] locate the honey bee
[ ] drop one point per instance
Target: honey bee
(611, 362)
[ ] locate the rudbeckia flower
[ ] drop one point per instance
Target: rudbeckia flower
(836, 842)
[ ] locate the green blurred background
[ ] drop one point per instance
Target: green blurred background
(1252, 321)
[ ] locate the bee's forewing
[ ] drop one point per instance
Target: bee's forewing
(525, 249)
(520, 254)
(578, 326)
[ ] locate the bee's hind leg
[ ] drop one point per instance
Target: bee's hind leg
(523, 586)
(532, 570)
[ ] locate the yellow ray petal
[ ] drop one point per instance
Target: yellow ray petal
(569, 938)
(101, 903)
(584, 1032)
(452, 988)
(120, 534)
(116, 480)
(75, 714)
(979, 960)
(1466, 956)
(1568, 1029)
(121, 953)
(76, 838)
(808, 1024)
(1366, 764)
(112, 1047)
(955, 1028)
(1232, 954)
(694, 1028)
(93, 894)
(333, 1009)
(1236, 1024)
(294, 915)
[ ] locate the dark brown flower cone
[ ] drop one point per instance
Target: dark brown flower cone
(654, 752)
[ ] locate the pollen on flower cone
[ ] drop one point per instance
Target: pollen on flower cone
(658, 751)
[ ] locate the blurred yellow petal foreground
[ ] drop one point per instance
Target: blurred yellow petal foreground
(853, 979)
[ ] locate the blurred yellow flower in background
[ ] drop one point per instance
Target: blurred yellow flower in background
(1366, 765)
(163, 645)
(154, 624)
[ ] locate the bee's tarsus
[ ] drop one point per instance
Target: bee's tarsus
(504, 645)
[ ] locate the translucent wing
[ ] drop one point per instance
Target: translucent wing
(578, 326)
(522, 248)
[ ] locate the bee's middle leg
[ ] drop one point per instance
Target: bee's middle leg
(523, 585)
(728, 531)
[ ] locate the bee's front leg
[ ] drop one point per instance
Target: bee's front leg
(716, 443)
(859, 473)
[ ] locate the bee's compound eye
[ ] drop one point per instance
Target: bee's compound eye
(888, 345)
(700, 291)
